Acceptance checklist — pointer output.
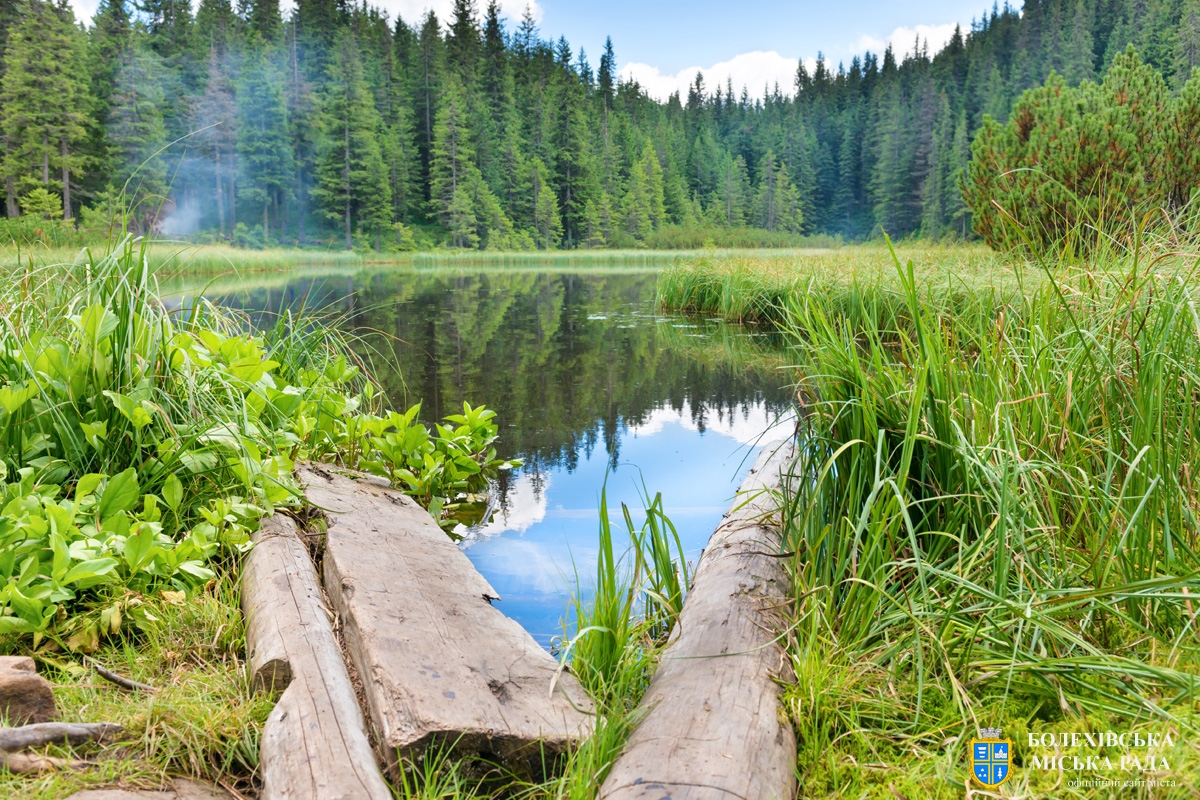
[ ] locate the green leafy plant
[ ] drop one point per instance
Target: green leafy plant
(144, 445)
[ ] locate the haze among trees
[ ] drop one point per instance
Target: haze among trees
(337, 124)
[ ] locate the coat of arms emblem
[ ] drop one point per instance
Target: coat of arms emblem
(990, 758)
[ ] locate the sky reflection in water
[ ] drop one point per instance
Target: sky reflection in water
(588, 382)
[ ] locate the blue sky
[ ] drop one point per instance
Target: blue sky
(756, 42)
(753, 41)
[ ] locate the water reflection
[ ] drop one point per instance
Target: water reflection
(590, 384)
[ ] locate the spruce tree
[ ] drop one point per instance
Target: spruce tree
(264, 148)
(351, 178)
(546, 221)
(217, 126)
(44, 100)
(137, 137)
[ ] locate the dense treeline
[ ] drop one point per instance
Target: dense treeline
(338, 124)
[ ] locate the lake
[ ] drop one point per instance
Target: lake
(592, 386)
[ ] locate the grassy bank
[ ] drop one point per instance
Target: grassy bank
(139, 447)
(994, 518)
(755, 286)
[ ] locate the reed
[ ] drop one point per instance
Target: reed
(994, 510)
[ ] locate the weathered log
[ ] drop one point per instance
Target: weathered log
(440, 666)
(314, 745)
(44, 733)
(712, 727)
(26, 763)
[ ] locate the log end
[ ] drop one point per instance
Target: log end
(274, 675)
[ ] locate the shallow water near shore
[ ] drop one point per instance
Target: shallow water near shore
(592, 387)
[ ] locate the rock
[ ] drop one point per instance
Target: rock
(180, 789)
(25, 696)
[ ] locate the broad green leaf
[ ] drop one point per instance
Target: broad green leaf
(121, 494)
(173, 492)
(137, 546)
(89, 573)
(88, 484)
(13, 397)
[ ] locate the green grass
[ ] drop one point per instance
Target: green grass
(994, 514)
(203, 722)
(755, 287)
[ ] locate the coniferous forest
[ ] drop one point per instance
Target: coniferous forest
(338, 125)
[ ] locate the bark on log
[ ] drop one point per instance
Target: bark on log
(713, 726)
(314, 745)
(439, 665)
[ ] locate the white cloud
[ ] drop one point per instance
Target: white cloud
(903, 39)
(414, 10)
(525, 508)
(750, 424)
(753, 70)
(758, 69)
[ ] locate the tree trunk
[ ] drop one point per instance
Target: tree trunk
(266, 220)
(66, 178)
(349, 242)
(10, 199)
(45, 161)
(220, 192)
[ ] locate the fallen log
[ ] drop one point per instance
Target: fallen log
(28, 763)
(712, 726)
(314, 745)
(44, 733)
(440, 666)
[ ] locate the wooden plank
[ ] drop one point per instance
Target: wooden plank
(440, 666)
(314, 745)
(713, 725)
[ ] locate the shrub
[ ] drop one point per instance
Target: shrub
(1074, 163)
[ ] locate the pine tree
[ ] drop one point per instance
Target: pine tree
(460, 198)
(1187, 49)
(264, 19)
(217, 126)
(546, 221)
(777, 207)
(137, 136)
(264, 148)
(462, 43)
(399, 141)
(44, 100)
(574, 174)
(733, 194)
(351, 178)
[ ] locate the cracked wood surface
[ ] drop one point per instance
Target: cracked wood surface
(439, 665)
(314, 745)
(714, 728)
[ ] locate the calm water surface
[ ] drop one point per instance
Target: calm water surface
(591, 386)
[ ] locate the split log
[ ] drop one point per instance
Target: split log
(439, 665)
(314, 745)
(712, 727)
